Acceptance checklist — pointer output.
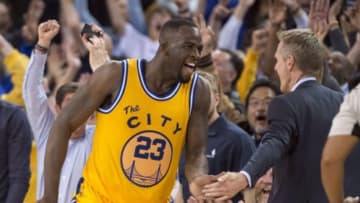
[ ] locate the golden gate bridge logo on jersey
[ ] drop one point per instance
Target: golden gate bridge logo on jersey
(146, 158)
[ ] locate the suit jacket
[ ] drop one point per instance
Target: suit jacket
(299, 123)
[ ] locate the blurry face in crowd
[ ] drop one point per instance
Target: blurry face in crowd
(225, 69)
(257, 110)
(4, 17)
(79, 132)
(340, 66)
(184, 51)
(123, 6)
(158, 19)
(282, 69)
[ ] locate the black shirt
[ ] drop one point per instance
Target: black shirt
(15, 147)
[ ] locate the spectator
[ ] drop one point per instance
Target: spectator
(257, 104)
(42, 118)
(15, 146)
(5, 19)
(341, 69)
(229, 68)
(15, 65)
(251, 60)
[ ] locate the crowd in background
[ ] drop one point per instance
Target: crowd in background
(242, 60)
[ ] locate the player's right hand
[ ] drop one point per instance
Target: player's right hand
(352, 200)
(47, 31)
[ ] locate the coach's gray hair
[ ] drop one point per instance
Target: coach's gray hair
(306, 49)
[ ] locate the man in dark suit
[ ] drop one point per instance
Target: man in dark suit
(299, 122)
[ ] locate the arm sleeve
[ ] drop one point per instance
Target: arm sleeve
(16, 64)
(38, 111)
(276, 142)
(19, 143)
(229, 33)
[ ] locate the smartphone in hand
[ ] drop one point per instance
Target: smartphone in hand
(89, 32)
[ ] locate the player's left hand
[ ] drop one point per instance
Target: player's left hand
(197, 185)
(227, 186)
(352, 200)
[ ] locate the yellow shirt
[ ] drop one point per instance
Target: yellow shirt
(16, 64)
(248, 75)
(138, 141)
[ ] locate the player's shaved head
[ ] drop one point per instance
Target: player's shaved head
(172, 27)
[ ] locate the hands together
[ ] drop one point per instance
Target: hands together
(220, 188)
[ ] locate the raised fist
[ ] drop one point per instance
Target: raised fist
(259, 40)
(47, 31)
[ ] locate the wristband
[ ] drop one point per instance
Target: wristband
(41, 49)
(205, 61)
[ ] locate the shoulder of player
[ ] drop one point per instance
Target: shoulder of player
(202, 86)
(109, 70)
(108, 76)
(202, 92)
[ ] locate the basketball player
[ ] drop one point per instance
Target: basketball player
(146, 111)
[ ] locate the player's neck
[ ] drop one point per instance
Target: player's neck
(158, 80)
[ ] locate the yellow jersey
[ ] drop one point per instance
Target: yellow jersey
(138, 141)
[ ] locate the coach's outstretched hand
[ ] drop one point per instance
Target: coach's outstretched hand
(227, 186)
